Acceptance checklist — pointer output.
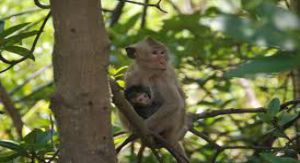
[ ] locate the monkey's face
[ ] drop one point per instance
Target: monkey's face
(142, 99)
(149, 54)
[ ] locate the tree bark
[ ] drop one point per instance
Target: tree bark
(81, 103)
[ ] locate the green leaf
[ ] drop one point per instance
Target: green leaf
(18, 38)
(12, 29)
(276, 63)
(19, 50)
(273, 107)
(285, 117)
(5, 157)
(12, 146)
(38, 136)
(273, 159)
(265, 117)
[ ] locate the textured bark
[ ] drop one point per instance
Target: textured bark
(81, 104)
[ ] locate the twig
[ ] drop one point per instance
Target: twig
(42, 6)
(116, 14)
(205, 137)
(215, 113)
(144, 14)
(156, 5)
(287, 4)
(34, 75)
(40, 32)
(178, 156)
(156, 154)
(21, 13)
(140, 154)
(131, 138)
(119, 133)
(11, 109)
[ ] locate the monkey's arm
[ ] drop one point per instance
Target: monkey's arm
(173, 103)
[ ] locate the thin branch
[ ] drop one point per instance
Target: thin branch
(131, 138)
(40, 5)
(119, 133)
(178, 156)
(156, 5)
(144, 14)
(116, 14)
(40, 32)
(156, 154)
(140, 154)
(21, 13)
(32, 76)
(205, 137)
(287, 4)
(215, 113)
(11, 110)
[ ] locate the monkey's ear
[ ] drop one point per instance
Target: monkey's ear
(152, 42)
(131, 51)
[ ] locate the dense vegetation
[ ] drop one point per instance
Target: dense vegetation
(229, 54)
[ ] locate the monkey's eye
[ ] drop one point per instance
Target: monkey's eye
(162, 52)
(154, 52)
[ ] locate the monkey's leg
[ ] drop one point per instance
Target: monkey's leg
(131, 138)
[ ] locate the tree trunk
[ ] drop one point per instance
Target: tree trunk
(295, 7)
(81, 104)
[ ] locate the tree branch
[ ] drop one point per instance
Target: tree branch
(215, 113)
(116, 14)
(11, 110)
(40, 5)
(156, 5)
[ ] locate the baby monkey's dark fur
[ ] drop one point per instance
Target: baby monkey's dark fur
(143, 108)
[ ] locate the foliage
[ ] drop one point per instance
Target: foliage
(212, 46)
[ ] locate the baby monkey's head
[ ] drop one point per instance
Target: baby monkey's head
(138, 95)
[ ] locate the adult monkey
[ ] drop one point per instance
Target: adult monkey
(151, 68)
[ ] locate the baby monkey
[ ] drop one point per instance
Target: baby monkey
(139, 97)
